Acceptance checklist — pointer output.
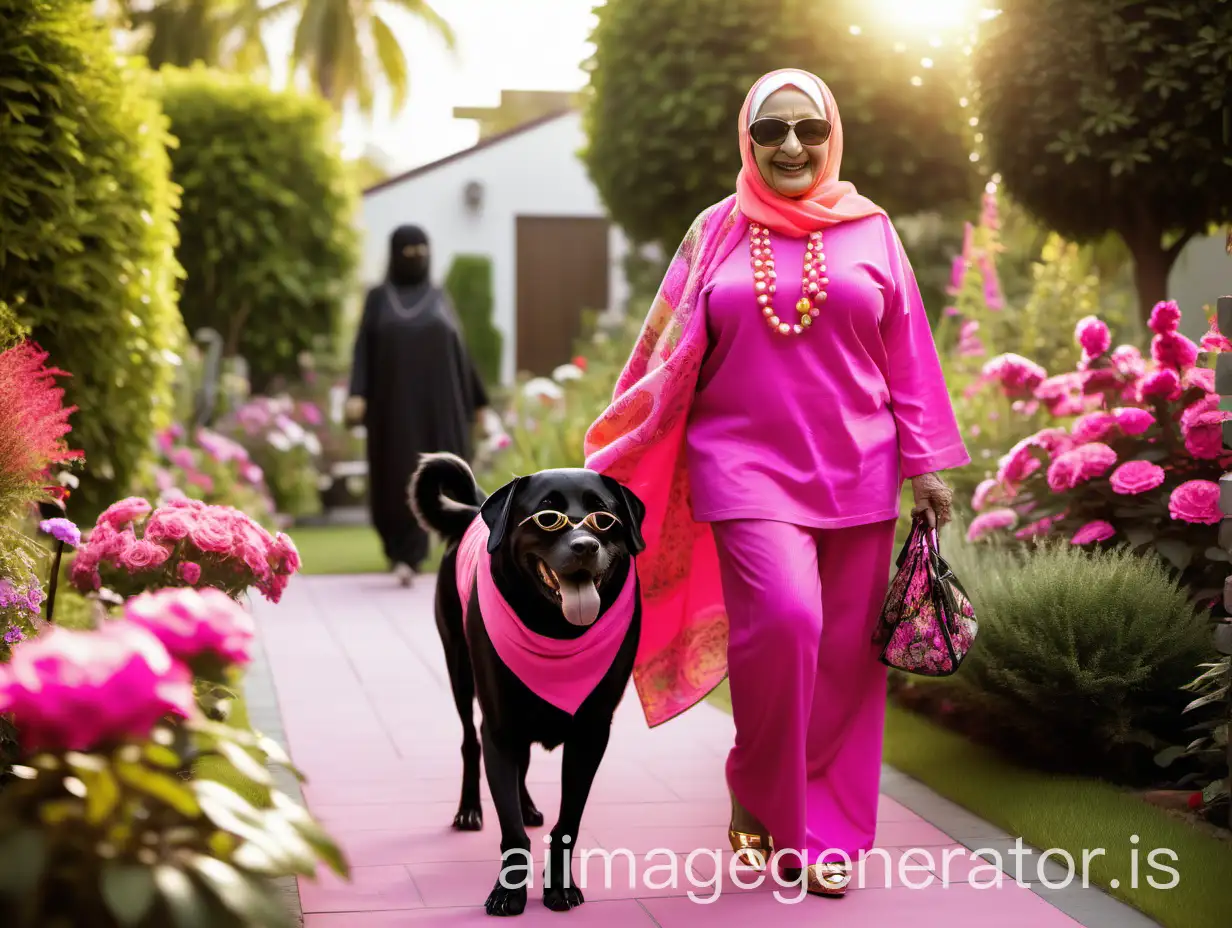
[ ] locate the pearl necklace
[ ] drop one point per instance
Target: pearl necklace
(812, 281)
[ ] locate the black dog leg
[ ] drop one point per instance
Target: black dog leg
(531, 816)
(581, 762)
(462, 682)
(508, 896)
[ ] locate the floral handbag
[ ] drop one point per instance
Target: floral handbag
(927, 624)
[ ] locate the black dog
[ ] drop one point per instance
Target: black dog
(560, 576)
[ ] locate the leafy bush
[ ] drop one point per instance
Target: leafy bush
(1139, 464)
(1080, 654)
(87, 230)
(1210, 749)
(666, 88)
(469, 284)
(268, 242)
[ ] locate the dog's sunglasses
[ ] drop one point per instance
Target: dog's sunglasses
(552, 521)
(770, 131)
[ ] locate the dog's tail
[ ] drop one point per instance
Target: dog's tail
(444, 495)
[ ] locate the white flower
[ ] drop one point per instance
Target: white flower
(312, 443)
(279, 441)
(567, 372)
(541, 388)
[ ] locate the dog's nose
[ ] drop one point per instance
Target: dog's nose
(584, 545)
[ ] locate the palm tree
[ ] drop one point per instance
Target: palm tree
(224, 33)
(336, 42)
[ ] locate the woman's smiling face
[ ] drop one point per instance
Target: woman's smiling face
(790, 168)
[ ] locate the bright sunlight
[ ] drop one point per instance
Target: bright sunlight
(927, 14)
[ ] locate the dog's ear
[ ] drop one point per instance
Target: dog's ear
(632, 515)
(496, 512)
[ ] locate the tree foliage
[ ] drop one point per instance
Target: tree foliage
(87, 231)
(668, 80)
(1111, 115)
(268, 242)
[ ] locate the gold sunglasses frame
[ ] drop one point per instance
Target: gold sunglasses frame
(562, 521)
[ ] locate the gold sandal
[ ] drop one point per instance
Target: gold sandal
(828, 879)
(751, 850)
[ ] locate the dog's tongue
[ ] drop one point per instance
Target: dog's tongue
(579, 600)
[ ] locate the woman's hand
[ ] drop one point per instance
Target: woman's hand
(933, 498)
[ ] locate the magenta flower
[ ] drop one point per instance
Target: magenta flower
(1196, 501)
(142, 554)
(1165, 317)
(1134, 477)
(1018, 464)
(988, 491)
(1038, 527)
(1092, 532)
(82, 690)
(192, 623)
(189, 572)
(1202, 427)
(1203, 377)
(1094, 426)
(1133, 420)
(1214, 340)
(1079, 465)
(62, 530)
(1127, 360)
(1093, 335)
(121, 513)
(958, 270)
(994, 520)
(1019, 377)
(1162, 384)
(1174, 350)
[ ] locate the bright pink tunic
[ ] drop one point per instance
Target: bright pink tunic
(819, 429)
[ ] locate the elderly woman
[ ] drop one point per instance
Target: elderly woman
(784, 386)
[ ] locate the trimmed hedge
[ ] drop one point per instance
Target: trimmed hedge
(469, 285)
(268, 241)
(87, 232)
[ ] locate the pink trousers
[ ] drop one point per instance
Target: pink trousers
(808, 693)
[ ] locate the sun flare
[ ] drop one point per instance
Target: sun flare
(928, 14)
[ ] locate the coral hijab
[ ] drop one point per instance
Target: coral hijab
(829, 201)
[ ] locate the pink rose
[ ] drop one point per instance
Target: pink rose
(142, 554)
(993, 521)
(1017, 464)
(1174, 350)
(1094, 426)
(286, 554)
(1165, 317)
(170, 523)
(120, 513)
(84, 690)
(1019, 377)
(1078, 465)
(189, 572)
(1196, 501)
(1133, 420)
(1202, 377)
(988, 491)
(211, 533)
(1202, 427)
(191, 623)
(1096, 531)
(1038, 527)
(1161, 384)
(1093, 335)
(1127, 361)
(1135, 477)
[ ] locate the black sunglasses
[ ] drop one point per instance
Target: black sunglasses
(770, 131)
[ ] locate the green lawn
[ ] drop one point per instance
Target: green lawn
(1071, 814)
(344, 549)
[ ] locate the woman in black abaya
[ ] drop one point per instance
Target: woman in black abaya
(414, 387)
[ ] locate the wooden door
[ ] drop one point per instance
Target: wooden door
(562, 271)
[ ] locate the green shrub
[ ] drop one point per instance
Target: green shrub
(1081, 655)
(267, 239)
(469, 284)
(87, 231)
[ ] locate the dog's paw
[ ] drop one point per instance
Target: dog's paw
(562, 899)
(504, 900)
(468, 820)
(531, 816)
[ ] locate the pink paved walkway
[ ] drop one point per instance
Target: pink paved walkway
(362, 688)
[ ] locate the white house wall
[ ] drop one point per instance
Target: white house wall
(532, 173)
(1201, 274)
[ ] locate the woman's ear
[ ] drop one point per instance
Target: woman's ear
(496, 512)
(632, 515)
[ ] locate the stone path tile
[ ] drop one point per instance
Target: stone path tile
(360, 692)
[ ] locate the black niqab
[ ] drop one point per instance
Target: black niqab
(421, 388)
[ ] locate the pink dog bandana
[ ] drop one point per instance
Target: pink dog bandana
(563, 673)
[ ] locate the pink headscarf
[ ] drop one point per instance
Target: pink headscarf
(829, 201)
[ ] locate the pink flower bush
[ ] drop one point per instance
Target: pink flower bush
(1017, 376)
(193, 624)
(1135, 477)
(1137, 452)
(185, 543)
(81, 690)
